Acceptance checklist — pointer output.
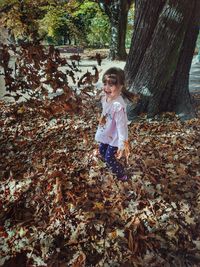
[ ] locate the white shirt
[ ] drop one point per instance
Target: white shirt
(113, 129)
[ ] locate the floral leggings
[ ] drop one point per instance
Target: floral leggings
(108, 153)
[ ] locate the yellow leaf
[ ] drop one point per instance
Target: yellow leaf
(98, 205)
(21, 110)
(113, 234)
(172, 230)
(189, 220)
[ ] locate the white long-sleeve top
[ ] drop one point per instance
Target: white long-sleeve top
(113, 128)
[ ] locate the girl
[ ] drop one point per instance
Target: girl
(112, 132)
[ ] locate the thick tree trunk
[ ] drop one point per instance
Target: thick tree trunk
(117, 11)
(160, 56)
(146, 18)
(176, 96)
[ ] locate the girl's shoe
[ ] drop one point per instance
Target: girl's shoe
(123, 178)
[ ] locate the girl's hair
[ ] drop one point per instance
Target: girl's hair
(116, 76)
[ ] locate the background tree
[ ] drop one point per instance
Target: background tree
(94, 24)
(21, 18)
(98, 35)
(117, 12)
(161, 52)
(60, 26)
(57, 22)
(70, 22)
(130, 23)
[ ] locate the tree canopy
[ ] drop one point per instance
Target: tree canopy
(58, 22)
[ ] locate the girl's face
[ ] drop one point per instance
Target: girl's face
(111, 89)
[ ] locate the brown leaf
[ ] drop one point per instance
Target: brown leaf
(80, 260)
(181, 169)
(59, 195)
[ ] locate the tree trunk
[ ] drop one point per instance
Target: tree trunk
(117, 11)
(118, 19)
(176, 96)
(144, 26)
(165, 34)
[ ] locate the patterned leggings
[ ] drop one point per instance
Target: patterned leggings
(108, 153)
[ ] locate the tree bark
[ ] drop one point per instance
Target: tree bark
(160, 56)
(146, 18)
(176, 96)
(117, 11)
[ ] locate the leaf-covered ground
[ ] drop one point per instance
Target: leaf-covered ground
(60, 206)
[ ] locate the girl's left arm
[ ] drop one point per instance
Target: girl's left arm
(122, 128)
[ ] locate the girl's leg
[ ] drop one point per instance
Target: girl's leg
(102, 150)
(116, 167)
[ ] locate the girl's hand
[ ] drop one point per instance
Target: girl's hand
(125, 151)
(120, 153)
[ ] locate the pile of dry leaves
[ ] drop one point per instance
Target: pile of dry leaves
(60, 206)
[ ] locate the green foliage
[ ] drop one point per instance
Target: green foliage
(60, 25)
(59, 22)
(95, 24)
(129, 31)
(69, 21)
(86, 12)
(99, 31)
